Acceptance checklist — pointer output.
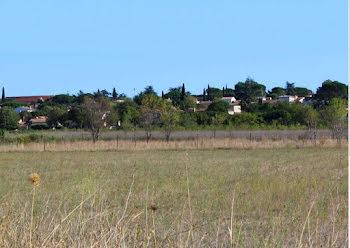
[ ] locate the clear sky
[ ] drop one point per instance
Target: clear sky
(53, 47)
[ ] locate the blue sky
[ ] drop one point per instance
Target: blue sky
(52, 47)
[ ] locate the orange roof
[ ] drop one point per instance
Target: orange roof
(29, 99)
(39, 119)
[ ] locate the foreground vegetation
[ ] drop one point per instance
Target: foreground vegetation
(180, 198)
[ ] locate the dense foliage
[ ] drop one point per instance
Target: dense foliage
(177, 108)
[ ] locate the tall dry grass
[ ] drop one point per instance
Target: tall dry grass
(201, 143)
(195, 198)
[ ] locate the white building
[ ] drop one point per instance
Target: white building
(229, 99)
(234, 109)
(287, 98)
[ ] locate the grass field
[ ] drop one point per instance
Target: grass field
(285, 197)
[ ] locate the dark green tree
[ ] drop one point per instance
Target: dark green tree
(13, 104)
(331, 89)
(147, 92)
(8, 118)
(60, 99)
(105, 93)
(114, 94)
(276, 92)
(218, 106)
(56, 116)
(175, 95)
(229, 92)
(290, 89)
(78, 114)
(208, 93)
(248, 91)
(183, 92)
(299, 91)
(3, 95)
(128, 113)
(213, 93)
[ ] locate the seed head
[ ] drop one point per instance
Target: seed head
(153, 207)
(34, 178)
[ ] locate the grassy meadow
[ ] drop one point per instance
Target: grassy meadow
(280, 197)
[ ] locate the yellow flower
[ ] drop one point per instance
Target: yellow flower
(35, 179)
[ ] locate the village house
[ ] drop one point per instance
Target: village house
(235, 108)
(38, 122)
(229, 99)
(299, 99)
(287, 98)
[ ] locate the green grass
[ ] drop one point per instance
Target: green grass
(192, 192)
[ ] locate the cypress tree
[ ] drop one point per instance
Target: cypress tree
(203, 94)
(3, 95)
(162, 95)
(208, 93)
(223, 92)
(114, 94)
(183, 92)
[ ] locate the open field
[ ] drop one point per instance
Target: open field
(283, 197)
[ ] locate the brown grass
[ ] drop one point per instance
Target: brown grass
(176, 198)
(201, 143)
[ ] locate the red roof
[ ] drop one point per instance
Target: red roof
(28, 99)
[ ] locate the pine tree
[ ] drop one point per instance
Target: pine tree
(183, 92)
(3, 95)
(114, 94)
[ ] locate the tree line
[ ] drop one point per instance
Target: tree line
(169, 111)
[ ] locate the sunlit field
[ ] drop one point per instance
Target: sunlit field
(281, 197)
